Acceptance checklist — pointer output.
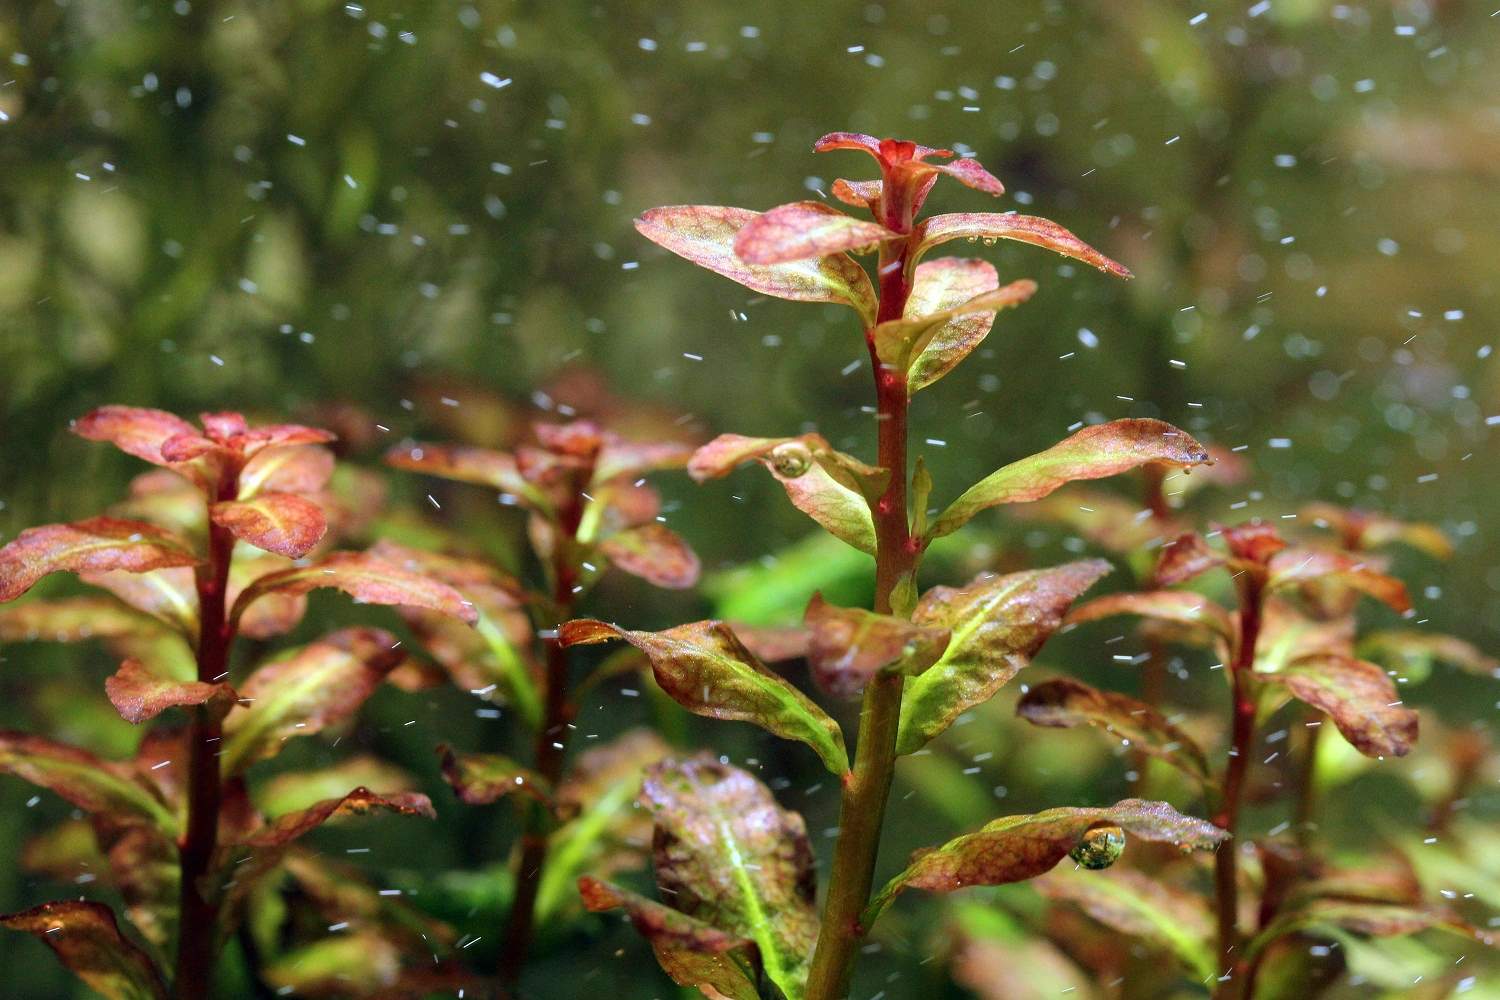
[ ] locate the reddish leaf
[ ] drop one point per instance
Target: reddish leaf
(619, 459)
(169, 594)
(1362, 529)
(1062, 703)
(654, 553)
(1015, 848)
(1179, 606)
(481, 778)
(288, 469)
(143, 863)
(253, 441)
(468, 465)
(727, 854)
(305, 692)
(861, 194)
(368, 580)
(849, 645)
(139, 694)
(990, 226)
(1411, 649)
(801, 230)
(1296, 566)
(273, 614)
(134, 430)
(1359, 698)
(277, 522)
(1092, 453)
(1186, 557)
(692, 952)
(942, 284)
(998, 624)
(709, 672)
(1367, 919)
(86, 939)
(95, 545)
(91, 784)
(774, 643)
(705, 235)
(900, 342)
(1131, 903)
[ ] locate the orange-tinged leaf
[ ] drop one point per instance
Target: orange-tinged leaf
(847, 646)
(860, 194)
(1062, 703)
(655, 553)
(992, 225)
(86, 939)
(942, 284)
(303, 468)
(998, 624)
(1253, 542)
(95, 545)
(1132, 903)
(1296, 566)
(306, 691)
(273, 614)
(900, 342)
(140, 694)
(620, 459)
(169, 594)
(1360, 699)
(1186, 557)
(1092, 453)
(708, 671)
(91, 784)
(1178, 606)
(1364, 529)
(481, 778)
(705, 235)
(469, 465)
(134, 430)
(1015, 848)
(281, 523)
(369, 580)
(801, 230)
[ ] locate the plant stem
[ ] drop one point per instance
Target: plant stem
(1303, 825)
(551, 749)
(1242, 743)
(867, 786)
(197, 916)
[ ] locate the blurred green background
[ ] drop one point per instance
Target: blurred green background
(423, 210)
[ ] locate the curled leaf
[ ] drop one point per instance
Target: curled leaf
(1062, 703)
(998, 624)
(708, 671)
(706, 234)
(1178, 606)
(86, 939)
(95, 546)
(847, 646)
(281, 523)
(802, 230)
(140, 694)
(481, 778)
(1359, 698)
(990, 226)
(655, 553)
(1015, 848)
(1290, 567)
(1092, 453)
(366, 578)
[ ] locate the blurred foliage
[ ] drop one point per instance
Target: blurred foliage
(423, 210)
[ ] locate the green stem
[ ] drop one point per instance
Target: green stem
(867, 786)
(1303, 824)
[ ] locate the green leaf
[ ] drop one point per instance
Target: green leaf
(990, 226)
(1294, 566)
(85, 937)
(690, 951)
(91, 784)
(93, 546)
(481, 778)
(802, 230)
(1359, 698)
(655, 553)
(278, 522)
(1062, 703)
(1093, 453)
(848, 646)
(705, 235)
(1420, 650)
(358, 963)
(366, 578)
(901, 343)
(291, 791)
(139, 693)
(709, 672)
(1178, 606)
(1016, 848)
(729, 856)
(1365, 919)
(306, 691)
(169, 594)
(998, 624)
(1128, 901)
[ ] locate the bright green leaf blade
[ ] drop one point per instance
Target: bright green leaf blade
(709, 672)
(91, 784)
(998, 624)
(990, 226)
(85, 937)
(1062, 703)
(1360, 699)
(1128, 901)
(1092, 453)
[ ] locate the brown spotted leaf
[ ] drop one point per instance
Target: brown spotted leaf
(708, 671)
(705, 235)
(1359, 698)
(86, 939)
(366, 578)
(1062, 703)
(1294, 566)
(1185, 557)
(86, 781)
(655, 553)
(306, 691)
(1177, 606)
(94, 546)
(998, 624)
(728, 855)
(139, 693)
(1132, 903)
(1025, 228)
(281, 523)
(1092, 453)
(1015, 848)
(481, 778)
(847, 646)
(802, 230)
(692, 952)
